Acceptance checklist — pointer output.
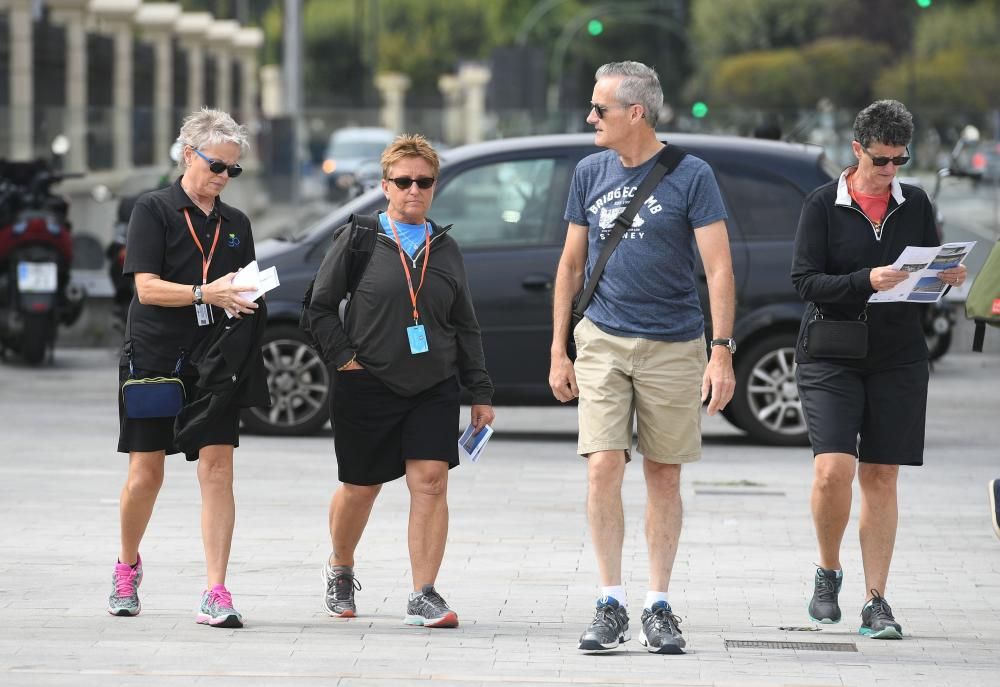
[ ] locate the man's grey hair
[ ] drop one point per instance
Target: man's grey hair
(884, 121)
(207, 127)
(640, 85)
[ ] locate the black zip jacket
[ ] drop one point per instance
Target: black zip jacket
(380, 310)
(835, 250)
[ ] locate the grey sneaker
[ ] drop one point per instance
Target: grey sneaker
(877, 620)
(429, 609)
(609, 628)
(340, 586)
(124, 599)
(217, 609)
(823, 608)
(660, 633)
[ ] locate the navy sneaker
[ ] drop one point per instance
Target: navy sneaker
(609, 628)
(877, 620)
(823, 608)
(660, 633)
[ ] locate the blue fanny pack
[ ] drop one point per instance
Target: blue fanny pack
(152, 397)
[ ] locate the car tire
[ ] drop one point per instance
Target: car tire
(299, 383)
(766, 403)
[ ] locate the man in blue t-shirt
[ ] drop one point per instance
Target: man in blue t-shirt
(641, 344)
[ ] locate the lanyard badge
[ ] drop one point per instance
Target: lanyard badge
(202, 312)
(416, 334)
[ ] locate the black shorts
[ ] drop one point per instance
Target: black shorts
(877, 415)
(376, 430)
(157, 434)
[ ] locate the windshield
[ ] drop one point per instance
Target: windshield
(338, 216)
(362, 149)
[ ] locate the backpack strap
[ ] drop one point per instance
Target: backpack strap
(364, 233)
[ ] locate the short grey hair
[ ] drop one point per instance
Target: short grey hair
(209, 128)
(640, 85)
(884, 121)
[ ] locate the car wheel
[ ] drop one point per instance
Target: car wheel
(299, 383)
(766, 403)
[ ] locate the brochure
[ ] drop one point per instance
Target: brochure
(472, 443)
(923, 264)
(257, 281)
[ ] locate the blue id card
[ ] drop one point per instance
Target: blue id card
(418, 339)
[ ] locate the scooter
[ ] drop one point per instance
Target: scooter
(36, 251)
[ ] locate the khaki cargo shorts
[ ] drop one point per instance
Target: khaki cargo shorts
(658, 382)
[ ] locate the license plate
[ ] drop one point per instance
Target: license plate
(37, 277)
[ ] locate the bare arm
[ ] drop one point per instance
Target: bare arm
(569, 280)
(221, 293)
(713, 245)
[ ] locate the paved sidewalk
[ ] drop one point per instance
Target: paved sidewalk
(519, 568)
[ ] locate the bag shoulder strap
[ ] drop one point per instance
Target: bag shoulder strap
(666, 162)
(364, 232)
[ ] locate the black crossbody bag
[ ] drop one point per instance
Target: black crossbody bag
(666, 162)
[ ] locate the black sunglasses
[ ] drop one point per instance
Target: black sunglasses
(882, 161)
(602, 110)
(405, 182)
(218, 166)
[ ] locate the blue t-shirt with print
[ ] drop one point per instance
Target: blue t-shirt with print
(412, 237)
(648, 286)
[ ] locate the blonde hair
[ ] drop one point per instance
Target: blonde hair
(410, 145)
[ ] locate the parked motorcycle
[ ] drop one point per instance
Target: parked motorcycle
(36, 251)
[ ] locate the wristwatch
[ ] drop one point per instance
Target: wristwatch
(728, 343)
(197, 295)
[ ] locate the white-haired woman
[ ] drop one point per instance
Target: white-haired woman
(184, 247)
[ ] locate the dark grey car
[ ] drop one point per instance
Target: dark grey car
(506, 199)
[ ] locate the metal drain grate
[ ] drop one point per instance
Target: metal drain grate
(795, 646)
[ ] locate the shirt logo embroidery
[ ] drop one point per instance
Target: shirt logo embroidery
(233, 241)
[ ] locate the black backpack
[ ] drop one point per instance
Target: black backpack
(364, 232)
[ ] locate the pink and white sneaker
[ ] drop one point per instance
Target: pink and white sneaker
(217, 608)
(124, 599)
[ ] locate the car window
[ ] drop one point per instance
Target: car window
(766, 206)
(499, 203)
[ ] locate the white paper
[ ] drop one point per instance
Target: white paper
(923, 264)
(471, 445)
(257, 282)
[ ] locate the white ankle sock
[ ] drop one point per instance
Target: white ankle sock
(653, 597)
(616, 592)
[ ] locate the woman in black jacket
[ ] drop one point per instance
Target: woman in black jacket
(869, 409)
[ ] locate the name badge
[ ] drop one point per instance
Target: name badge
(418, 339)
(204, 314)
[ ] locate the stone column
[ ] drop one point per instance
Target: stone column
(473, 78)
(451, 89)
(392, 86)
(220, 42)
(21, 75)
(246, 45)
(71, 14)
(157, 21)
(192, 29)
(115, 17)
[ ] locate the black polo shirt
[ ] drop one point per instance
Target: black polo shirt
(159, 242)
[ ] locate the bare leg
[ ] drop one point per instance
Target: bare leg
(218, 509)
(664, 514)
(427, 481)
(145, 477)
(605, 472)
(831, 504)
(879, 517)
(350, 508)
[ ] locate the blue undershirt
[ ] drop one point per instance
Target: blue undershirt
(412, 237)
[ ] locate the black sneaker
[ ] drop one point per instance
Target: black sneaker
(608, 629)
(340, 586)
(660, 633)
(429, 609)
(877, 621)
(995, 504)
(824, 607)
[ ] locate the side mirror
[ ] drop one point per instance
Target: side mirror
(60, 145)
(970, 134)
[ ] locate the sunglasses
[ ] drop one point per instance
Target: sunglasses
(882, 161)
(218, 166)
(405, 182)
(601, 110)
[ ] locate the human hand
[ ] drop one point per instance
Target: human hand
(222, 293)
(954, 276)
(562, 379)
(719, 379)
(353, 365)
(482, 415)
(885, 278)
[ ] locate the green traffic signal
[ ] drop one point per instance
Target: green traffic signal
(595, 27)
(699, 110)
(924, 4)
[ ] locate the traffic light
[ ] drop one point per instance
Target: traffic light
(699, 110)
(595, 27)
(924, 4)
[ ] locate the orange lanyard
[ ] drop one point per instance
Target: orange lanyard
(406, 268)
(205, 262)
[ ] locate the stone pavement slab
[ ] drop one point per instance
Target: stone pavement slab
(519, 568)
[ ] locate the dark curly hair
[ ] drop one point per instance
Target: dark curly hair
(884, 121)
